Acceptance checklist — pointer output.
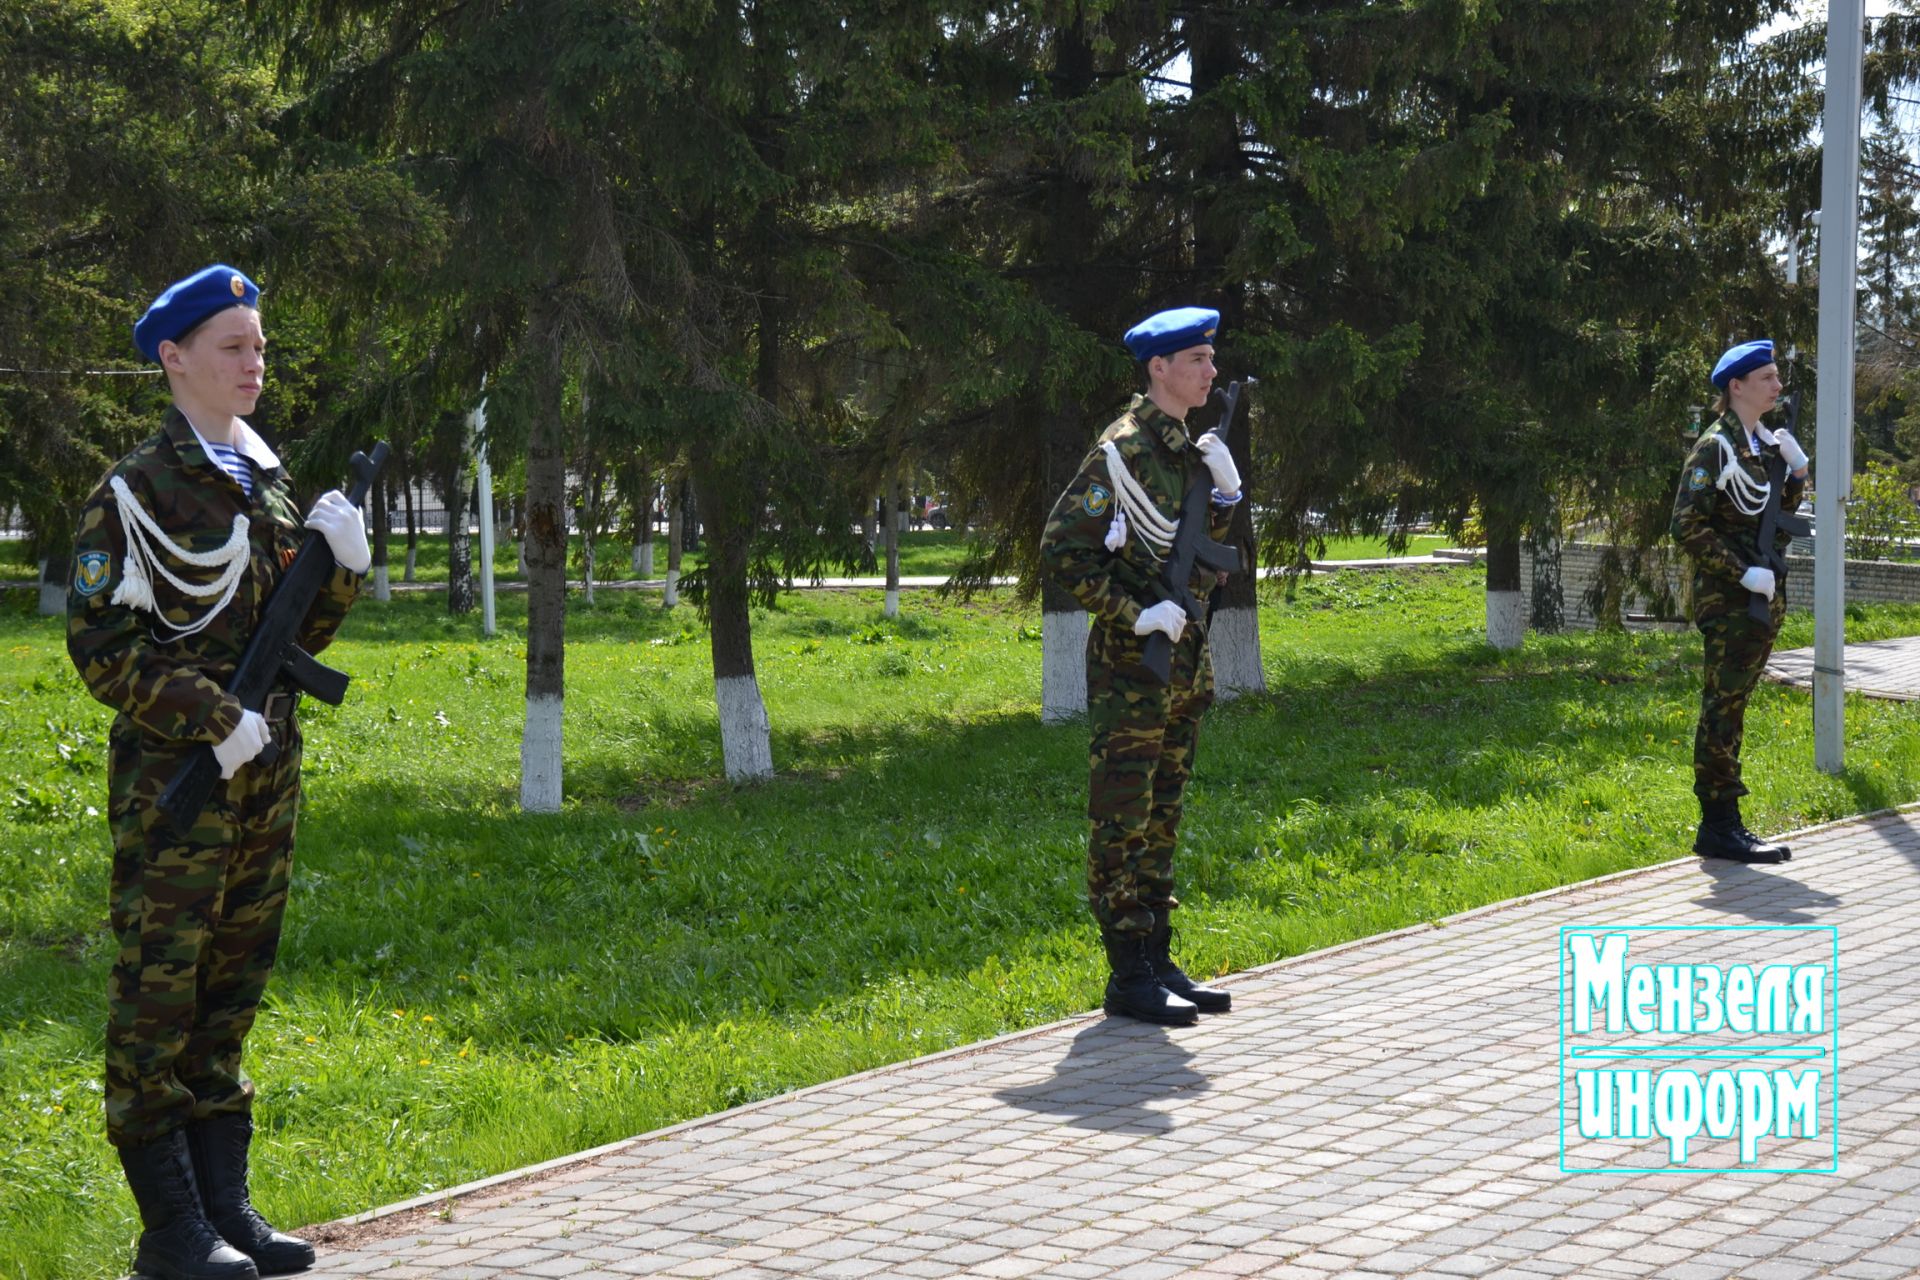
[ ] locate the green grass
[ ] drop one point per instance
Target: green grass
(1420, 544)
(465, 989)
(922, 552)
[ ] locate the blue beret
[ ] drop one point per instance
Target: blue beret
(187, 302)
(1166, 332)
(1741, 360)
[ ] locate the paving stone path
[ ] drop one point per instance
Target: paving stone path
(1386, 1108)
(1877, 668)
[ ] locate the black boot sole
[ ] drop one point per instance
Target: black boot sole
(1752, 857)
(1117, 1009)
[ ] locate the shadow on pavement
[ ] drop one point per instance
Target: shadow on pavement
(1114, 1073)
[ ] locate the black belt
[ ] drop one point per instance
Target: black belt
(279, 705)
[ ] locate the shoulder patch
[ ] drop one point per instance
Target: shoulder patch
(1698, 479)
(91, 570)
(1098, 499)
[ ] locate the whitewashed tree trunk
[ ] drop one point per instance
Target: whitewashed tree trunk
(1506, 602)
(412, 554)
(540, 747)
(1234, 638)
(1506, 619)
(1063, 658)
(382, 584)
(674, 550)
(643, 558)
(746, 734)
(893, 548)
(53, 591)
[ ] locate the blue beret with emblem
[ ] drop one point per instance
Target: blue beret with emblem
(187, 302)
(1166, 332)
(1741, 360)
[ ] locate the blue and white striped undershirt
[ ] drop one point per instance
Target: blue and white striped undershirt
(234, 463)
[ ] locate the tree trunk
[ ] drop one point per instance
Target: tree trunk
(675, 508)
(546, 543)
(413, 528)
(689, 517)
(1063, 655)
(459, 539)
(643, 506)
(870, 523)
(1233, 629)
(1549, 614)
(893, 549)
(382, 535)
(1506, 603)
(53, 586)
(746, 735)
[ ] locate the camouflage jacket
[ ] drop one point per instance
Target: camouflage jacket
(173, 688)
(1113, 584)
(1717, 536)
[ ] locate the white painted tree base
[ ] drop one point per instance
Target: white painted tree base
(643, 559)
(520, 556)
(540, 756)
(673, 588)
(1234, 638)
(382, 583)
(1506, 619)
(412, 553)
(746, 735)
(53, 595)
(893, 602)
(1063, 666)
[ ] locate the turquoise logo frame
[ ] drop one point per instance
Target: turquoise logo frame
(1578, 1046)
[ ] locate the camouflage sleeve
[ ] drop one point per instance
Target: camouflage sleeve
(1220, 521)
(329, 610)
(1693, 508)
(1074, 546)
(163, 690)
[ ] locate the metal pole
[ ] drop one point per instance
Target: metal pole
(485, 480)
(1833, 482)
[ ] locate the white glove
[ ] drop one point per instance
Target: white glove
(244, 743)
(1166, 616)
(1226, 476)
(1790, 449)
(346, 534)
(1758, 579)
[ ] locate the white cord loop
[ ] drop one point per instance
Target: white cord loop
(1749, 496)
(136, 578)
(1134, 506)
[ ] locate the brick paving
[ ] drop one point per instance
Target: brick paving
(1877, 668)
(1389, 1108)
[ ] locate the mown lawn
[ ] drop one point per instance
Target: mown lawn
(465, 989)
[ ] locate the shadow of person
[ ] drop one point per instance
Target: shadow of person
(1113, 1075)
(1770, 894)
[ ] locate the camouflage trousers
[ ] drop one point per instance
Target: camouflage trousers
(1736, 654)
(1144, 735)
(198, 924)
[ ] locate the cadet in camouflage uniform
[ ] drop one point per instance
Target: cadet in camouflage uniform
(1724, 489)
(175, 555)
(1105, 541)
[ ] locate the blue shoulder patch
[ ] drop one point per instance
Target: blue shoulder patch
(91, 572)
(1698, 479)
(1097, 500)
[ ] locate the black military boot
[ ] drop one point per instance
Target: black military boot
(1722, 836)
(1170, 976)
(178, 1243)
(1133, 991)
(1764, 850)
(219, 1147)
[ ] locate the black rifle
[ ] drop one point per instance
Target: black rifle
(1772, 521)
(273, 653)
(1191, 546)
